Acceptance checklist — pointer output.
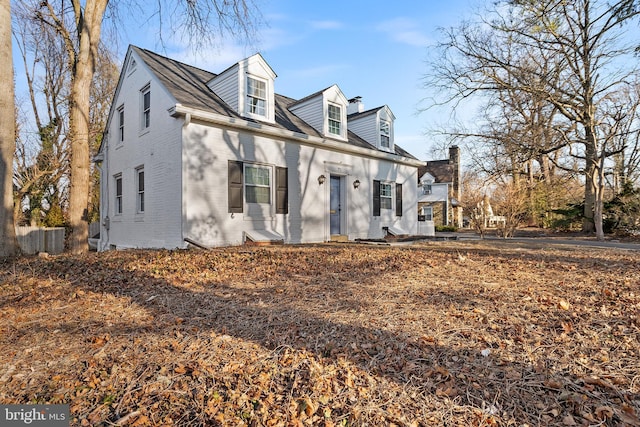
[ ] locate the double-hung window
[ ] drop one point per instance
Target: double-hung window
(257, 184)
(121, 124)
(118, 204)
(251, 187)
(140, 190)
(385, 134)
(385, 196)
(256, 96)
(335, 120)
(145, 95)
(427, 211)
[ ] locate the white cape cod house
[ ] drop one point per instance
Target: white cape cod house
(192, 157)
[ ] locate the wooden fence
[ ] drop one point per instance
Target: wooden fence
(94, 229)
(33, 240)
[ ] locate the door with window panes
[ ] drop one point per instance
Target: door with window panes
(335, 206)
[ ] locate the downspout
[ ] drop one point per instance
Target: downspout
(183, 207)
(102, 160)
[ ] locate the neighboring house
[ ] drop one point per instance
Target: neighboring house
(192, 157)
(439, 190)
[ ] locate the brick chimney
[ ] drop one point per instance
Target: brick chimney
(454, 161)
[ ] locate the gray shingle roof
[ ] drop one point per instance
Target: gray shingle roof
(364, 113)
(187, 84)
(441, 170)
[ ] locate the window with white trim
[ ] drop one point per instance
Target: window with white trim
(118, 202)
(385, 134)
(256, 96)
(335, 120)
(121, 124)
(427, 211)
(427, 189)
(257, 184)
(140, 190)
(145, 98)
(386, 196)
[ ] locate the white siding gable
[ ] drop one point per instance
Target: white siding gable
(368, 127)
(315, 111)
(431, 191)
(226, 86)
(232, 86)
(427, 178)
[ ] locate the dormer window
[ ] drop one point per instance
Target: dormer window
(256, 96)
(385, 134)
(426, 188)
(374, 126)
(335, 120)
(247, 87)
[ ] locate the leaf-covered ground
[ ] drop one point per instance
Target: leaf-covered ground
(440, 333)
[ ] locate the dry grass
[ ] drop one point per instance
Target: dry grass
(430, 334)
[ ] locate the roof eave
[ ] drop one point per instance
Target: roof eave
(265, 129)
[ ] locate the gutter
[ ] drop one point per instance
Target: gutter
(267, 130)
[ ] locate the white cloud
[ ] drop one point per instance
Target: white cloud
(405, 31)
(316, 72)
(326, 25)
(274, 38)
(214, 59)
(415, 144)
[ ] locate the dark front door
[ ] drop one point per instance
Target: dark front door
(335, 207)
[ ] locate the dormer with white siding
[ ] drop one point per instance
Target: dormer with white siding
(248, 88)
(374, 126)
(325, 111)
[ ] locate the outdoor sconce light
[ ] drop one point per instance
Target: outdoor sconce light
(356, 184)
(321, 179)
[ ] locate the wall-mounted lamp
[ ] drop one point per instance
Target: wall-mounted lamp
(356, 184)
(321, 179)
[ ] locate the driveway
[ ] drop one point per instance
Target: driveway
(543, 241)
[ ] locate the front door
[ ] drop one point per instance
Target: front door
(335, 206)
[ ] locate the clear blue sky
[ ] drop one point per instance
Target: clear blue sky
(373, 49)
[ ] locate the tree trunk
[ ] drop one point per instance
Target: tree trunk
(598, 208)
(598, 221)
(8, 243)
(591, 160)
(84, 68)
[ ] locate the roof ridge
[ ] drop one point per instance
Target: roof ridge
(314, 94)
(152, 53)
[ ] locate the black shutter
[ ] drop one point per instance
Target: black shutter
(282, 191)
(398, 199)
(376, 198)
(235, 187)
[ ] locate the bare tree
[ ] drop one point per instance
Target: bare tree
(42, 156)
(79, 26)
(8, 243)
(558, 52)
(475, 201)
(104, 86)
(511, 204)
(622, 120)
